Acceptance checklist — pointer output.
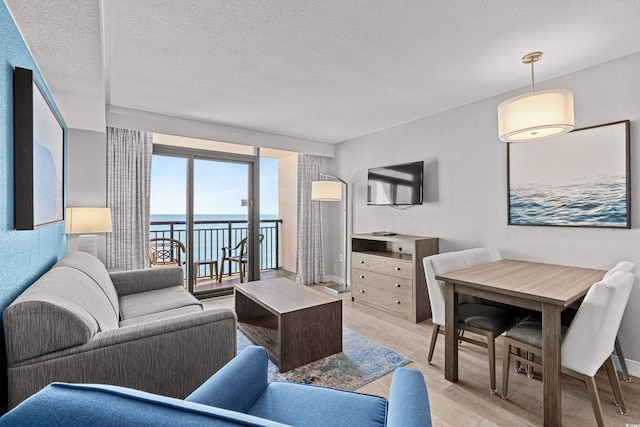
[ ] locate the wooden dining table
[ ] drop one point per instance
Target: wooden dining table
(547, 288)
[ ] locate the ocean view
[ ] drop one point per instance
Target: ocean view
(599, 202)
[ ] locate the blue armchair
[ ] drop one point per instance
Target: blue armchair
(238, 394)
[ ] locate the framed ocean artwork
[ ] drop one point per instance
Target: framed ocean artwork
(38, 155)
(579, 179)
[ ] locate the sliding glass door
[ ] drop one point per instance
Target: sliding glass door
(213, 201)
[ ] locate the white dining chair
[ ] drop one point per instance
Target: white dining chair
(569, 313)
(629, 267)
(587, 344)
(486, 320)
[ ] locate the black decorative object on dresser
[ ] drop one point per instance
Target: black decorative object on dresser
(386, 273)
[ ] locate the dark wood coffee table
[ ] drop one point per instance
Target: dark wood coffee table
(296, 325)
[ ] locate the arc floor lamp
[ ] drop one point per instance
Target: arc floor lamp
(331, 191)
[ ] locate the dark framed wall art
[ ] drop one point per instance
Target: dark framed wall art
(579, 179)
(38, 155)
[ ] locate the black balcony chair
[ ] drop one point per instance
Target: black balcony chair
(237, 254)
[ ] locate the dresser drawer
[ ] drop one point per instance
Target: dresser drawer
(389, 300)
(384, 265)
(397, 285)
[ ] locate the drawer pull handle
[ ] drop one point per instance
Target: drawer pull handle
(397, 285)
(361, 276)
(362, 291)
(397, 268)
(361, 262)
(397, 302)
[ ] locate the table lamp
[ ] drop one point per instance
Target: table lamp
(87, 222)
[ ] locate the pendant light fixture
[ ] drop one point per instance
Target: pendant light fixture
(535, 115)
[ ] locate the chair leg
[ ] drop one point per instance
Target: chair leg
(506, 358)
(517, 365)
(219, 275)
(592, 391)
(530, 372)
(622, 361)
(432, 346)
(615, 385)
(491, 348)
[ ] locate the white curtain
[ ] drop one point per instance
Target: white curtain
(128, 182)
(310, 260)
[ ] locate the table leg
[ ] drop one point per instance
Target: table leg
(551, 381)
(451, 333)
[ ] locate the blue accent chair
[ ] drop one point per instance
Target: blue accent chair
(238, 394)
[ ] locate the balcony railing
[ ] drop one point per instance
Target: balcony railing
(210, 236)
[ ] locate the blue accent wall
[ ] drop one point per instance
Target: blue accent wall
(24, 255)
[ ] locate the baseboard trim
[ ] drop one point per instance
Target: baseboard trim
(333, 278)
(632, 365)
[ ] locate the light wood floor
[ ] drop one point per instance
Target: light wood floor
(468, 402)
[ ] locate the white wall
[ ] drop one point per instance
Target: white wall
(87, 177)
(151, 122)
(465, 183)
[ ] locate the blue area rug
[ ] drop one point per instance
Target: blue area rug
(360, 362)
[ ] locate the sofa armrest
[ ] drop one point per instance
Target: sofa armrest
(408, 400)
(150, 279)
(238, 384)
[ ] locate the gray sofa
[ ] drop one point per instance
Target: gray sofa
(139, 329)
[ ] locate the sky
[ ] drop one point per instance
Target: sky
(575, 156)
(219, 187)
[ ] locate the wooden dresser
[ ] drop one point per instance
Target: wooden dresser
(387, 273)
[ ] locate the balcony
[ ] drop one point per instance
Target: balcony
(210, 236)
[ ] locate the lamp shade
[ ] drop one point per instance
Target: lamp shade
(536, 115)
(326, 191)
(87, 220)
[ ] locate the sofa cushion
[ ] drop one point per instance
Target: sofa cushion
(95, 269)
(289, 404)
(145, 303)
(161, 316)
(62, 309)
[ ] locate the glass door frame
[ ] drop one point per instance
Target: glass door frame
(253, 208)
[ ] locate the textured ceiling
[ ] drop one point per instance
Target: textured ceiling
(326, 70)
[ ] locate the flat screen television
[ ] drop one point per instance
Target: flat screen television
(396, 184)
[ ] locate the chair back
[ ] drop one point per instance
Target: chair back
(439, 264)
(476, 256)
(473, 257)
(590, 338)
(166, 251)
(627, 266)
(242, 246)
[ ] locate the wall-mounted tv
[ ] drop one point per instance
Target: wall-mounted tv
(396, 184)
